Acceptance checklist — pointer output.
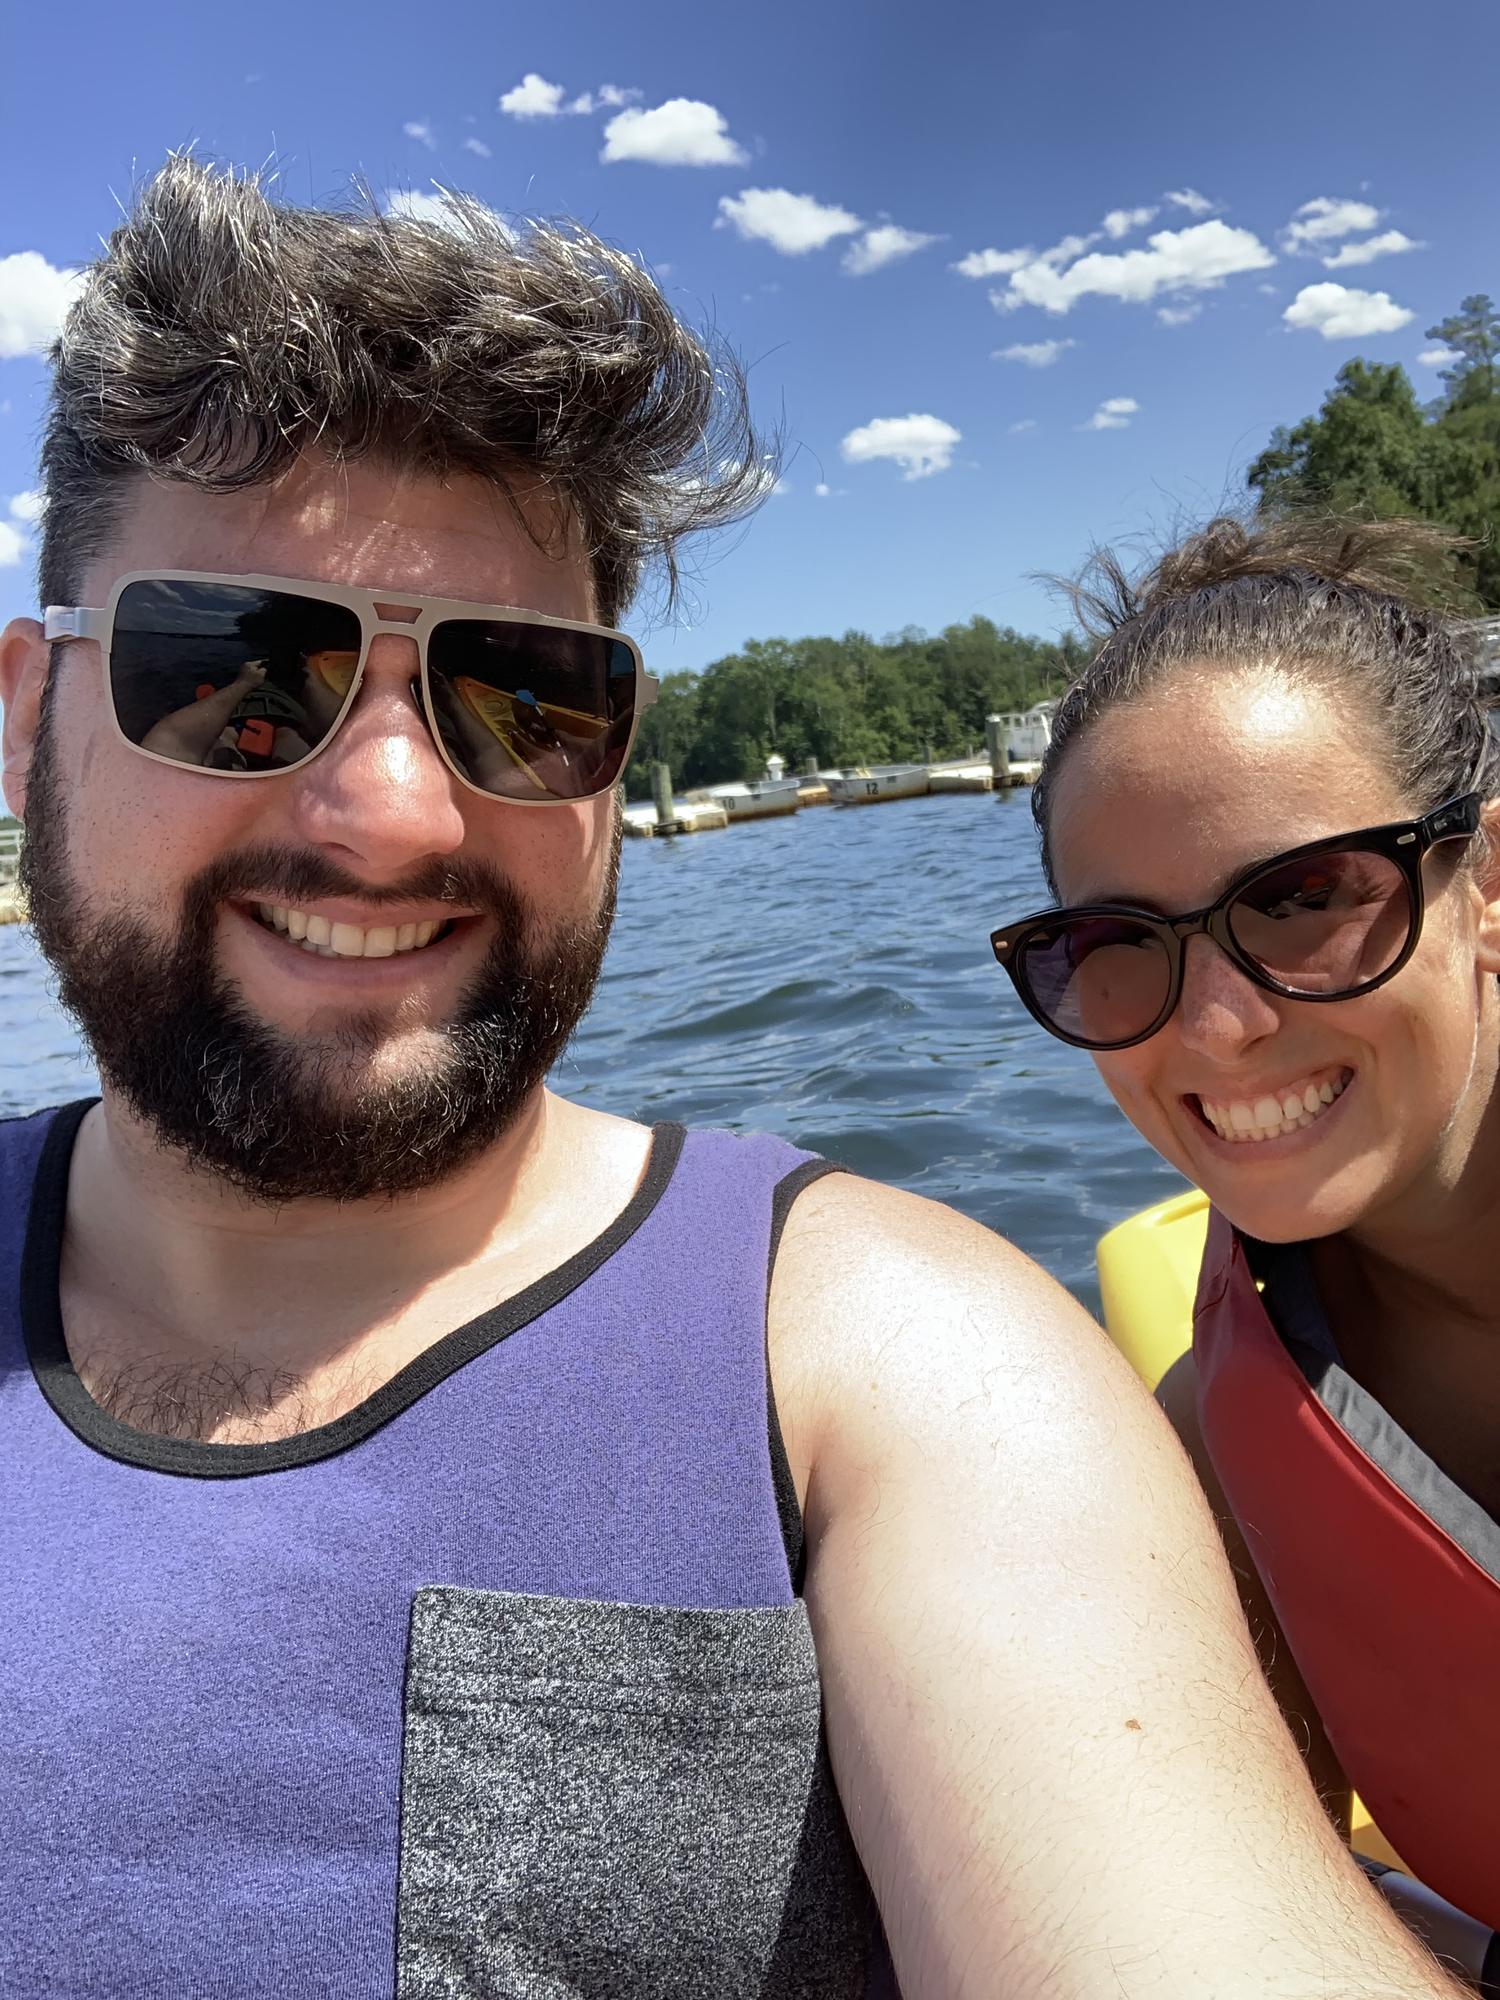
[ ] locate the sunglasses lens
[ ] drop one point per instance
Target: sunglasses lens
(532, 711)
(1100, 980)
(1329, 923)
(225, 677)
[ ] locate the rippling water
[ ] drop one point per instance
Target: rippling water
(828, 978)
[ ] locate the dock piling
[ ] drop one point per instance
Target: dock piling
(661, 792)
(994, 740)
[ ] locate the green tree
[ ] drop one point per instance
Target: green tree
(1473, 333)
(853, 700)
(1372, 449)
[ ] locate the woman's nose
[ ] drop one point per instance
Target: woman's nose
(1221, 1010)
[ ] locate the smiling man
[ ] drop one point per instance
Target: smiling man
(456, 1542)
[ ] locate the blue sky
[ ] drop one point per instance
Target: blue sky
(986, 128)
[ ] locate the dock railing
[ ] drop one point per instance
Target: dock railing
(10, 852)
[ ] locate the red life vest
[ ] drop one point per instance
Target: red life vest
(1393, 1619)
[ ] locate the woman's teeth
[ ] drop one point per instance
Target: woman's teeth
(326, 940)
(1299, 1105)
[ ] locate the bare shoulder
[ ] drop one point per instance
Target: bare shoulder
(891, 1314)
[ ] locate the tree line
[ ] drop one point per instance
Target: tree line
(854, 700)
(1374, 448)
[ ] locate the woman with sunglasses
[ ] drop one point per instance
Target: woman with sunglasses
(1269, 816)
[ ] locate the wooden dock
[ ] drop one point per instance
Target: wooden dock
(10, 858)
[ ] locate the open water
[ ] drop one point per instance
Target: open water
(827, 977)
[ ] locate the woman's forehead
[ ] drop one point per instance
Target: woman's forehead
(1164, 798)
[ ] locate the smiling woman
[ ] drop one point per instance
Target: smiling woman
(1269, 811)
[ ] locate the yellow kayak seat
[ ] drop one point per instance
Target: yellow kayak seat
(1148, 1279)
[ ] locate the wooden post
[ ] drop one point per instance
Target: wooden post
(994, 740)
(809, 767)
(661, 792)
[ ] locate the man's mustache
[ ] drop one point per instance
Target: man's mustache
(298, 876)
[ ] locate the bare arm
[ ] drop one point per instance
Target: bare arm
(1061, 1764)
(1177, 1392)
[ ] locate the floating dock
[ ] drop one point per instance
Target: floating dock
(10, 856)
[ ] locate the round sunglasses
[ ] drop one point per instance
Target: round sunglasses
(1328, 921)
(251, 676)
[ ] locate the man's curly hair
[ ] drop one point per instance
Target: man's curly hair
(223, 334)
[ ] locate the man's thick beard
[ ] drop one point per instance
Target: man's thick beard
(245, 1101)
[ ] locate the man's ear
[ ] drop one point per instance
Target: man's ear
(23, 671)
(1487, 883)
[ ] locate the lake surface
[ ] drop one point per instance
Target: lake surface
(827, 977)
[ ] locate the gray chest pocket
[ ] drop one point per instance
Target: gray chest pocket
(604, 1800)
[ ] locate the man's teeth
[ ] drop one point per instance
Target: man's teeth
(1269, 1117)
(318, 935)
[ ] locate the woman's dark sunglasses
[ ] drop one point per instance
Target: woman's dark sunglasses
(251, 676)
(1324, 922)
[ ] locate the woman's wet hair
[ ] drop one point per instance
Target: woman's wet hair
(1372, 612)
(222, 334)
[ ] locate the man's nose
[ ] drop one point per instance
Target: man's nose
(380, 794)
(1222, 1011)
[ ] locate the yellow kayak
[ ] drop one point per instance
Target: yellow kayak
(1148, 1279)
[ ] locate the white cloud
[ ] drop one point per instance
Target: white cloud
(1181, 315)
(1197, 258)
(418, 128)
(582, 104)
(477, 146)
(1324, 219)
(415, 205)
(1271, 291)
(823, 490)
(1120, 221)
(992, 263)
(1034, 353)
(680, 133)
(1339, 312)
(412, 205)
(790, 223)
(533, 97)
(1390, 244)
(34, 295)
(1438, 357)
(1191, 200)
(1113, 414)
(14, 547)
(609, 96)
(883, 245)
(27, 507)
(920, 445)
(1001, 263)
(1025, 424)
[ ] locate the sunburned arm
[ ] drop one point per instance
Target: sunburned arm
(1062, 1767)
(1177, 1392)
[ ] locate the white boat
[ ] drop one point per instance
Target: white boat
(868, 785)
(765, 798)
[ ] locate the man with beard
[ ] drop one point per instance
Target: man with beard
(456, 1542)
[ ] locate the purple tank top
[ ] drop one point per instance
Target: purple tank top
(498, 1685)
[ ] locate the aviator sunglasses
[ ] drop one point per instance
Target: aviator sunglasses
(251, 676)
(1328, 921)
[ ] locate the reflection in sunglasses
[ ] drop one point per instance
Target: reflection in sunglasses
(334, 667)
(526, 729)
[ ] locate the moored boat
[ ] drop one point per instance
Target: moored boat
(765, 798)
(872, 784)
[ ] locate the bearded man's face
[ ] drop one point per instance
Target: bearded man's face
(164, 898)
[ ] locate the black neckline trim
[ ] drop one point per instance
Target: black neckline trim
(58, 1380)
